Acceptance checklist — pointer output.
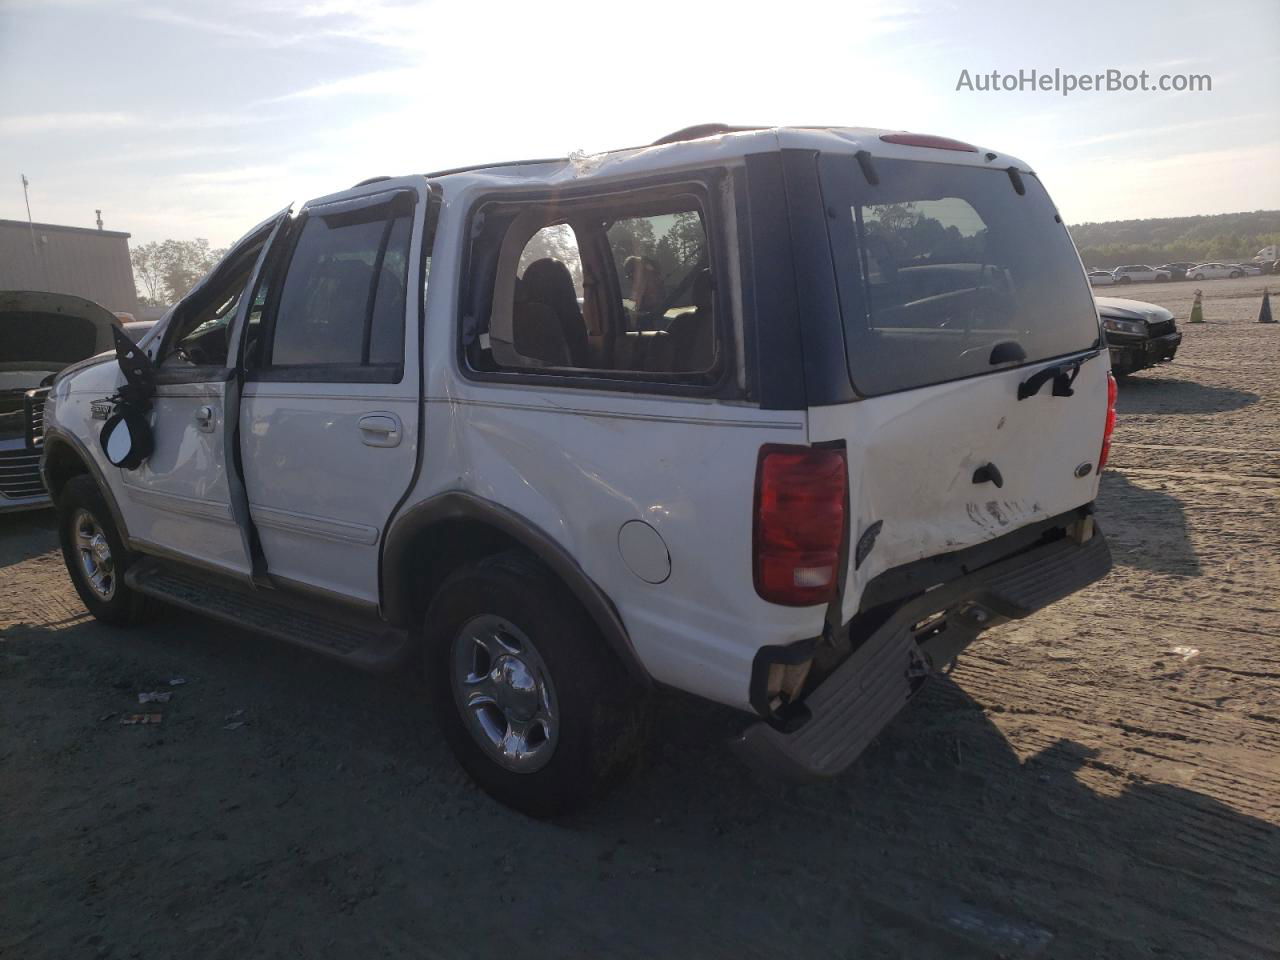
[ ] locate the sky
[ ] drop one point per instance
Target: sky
(185, 120)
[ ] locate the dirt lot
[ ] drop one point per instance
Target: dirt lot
(1077, 788)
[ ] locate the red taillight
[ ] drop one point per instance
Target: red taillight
(928, 140)
(1110, 425)
(799, 524)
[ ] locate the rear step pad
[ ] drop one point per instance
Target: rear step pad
(849, 709)
(335, 633)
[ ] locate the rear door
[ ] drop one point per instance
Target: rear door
(958, 283)
(329, 421)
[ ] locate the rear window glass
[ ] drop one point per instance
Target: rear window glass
(938, 264)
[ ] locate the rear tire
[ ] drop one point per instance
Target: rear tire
(95, 554)
(1235, 274)
(533, 703)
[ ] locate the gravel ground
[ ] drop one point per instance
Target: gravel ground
(1083, 785)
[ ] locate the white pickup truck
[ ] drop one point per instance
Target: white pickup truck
(783, 418)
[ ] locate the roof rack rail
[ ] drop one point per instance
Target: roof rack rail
(491, 166)
(365, 183)
(700, 130)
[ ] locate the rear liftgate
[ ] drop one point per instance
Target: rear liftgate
(851, 707)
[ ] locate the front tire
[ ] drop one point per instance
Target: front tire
(1124, 280)
(532, 702)
(1199, 276)
(95, 554)
(1235, 274)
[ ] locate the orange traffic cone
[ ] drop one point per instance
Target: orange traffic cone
(1197, 314)
(1264, 315)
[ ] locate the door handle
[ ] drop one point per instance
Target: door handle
(204, 419)
(380, 430)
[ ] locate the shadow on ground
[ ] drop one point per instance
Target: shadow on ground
(1157, 395)
(26, 535)
(1162, 542)
(334, 816)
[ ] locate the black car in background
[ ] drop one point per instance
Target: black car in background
(1139, 335)
(1177, 270)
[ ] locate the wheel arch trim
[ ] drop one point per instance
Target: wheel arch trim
(55, 437)
(397, 595)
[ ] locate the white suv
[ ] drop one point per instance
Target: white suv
(779, 417)
(1139, 273)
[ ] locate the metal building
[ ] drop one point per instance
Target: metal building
(89, 263)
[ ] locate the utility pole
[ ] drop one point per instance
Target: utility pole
(30, 225)
(99, 213)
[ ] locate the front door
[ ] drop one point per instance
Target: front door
(330, 410)
(179, 500)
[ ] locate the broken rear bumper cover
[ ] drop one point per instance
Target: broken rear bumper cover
(851, 706)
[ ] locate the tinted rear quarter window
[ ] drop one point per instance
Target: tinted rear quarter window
(939, 263)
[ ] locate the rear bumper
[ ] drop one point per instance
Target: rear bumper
(1128, 357)
(850, 708)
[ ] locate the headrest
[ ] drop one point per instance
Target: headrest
(549, 281)
(702, 289)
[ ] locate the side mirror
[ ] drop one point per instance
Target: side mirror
(126, 438)
(139, 374)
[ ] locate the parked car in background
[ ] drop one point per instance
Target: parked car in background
(40, 334)
(135, 330)
(1139, 335)
(1100, 278)
(1139, 273)
(551, 496)
(1177, 271)
(1248, 269)
(1215, 271)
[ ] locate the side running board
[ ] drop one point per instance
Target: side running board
(324, 628)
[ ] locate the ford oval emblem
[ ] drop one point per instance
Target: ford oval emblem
(1084, 469)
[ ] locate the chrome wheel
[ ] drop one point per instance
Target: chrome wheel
(503, 690)
(96, 563)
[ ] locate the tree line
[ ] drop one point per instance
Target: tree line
(1224, 236)
(164, 270)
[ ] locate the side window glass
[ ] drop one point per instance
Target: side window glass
(199, 336)
(386, 337)
(622, 287)
(343, 297)
(667, 305)
(656, 259)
